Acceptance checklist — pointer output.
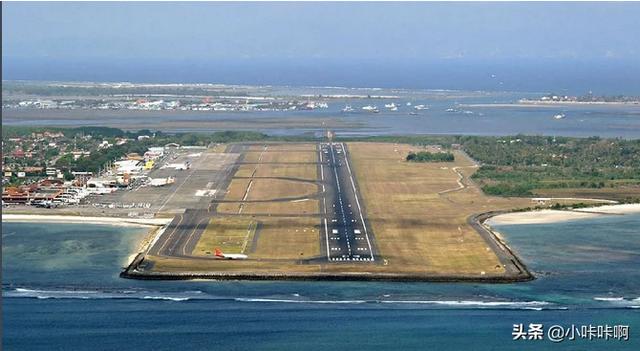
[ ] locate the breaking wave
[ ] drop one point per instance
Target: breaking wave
(97, 294)
(529, 305)
(247, 299)
(620, 302)
(537, 305)
(295, 298)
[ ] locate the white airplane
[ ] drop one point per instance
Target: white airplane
(222, 255)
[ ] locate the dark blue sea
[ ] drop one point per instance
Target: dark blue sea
(61, 291)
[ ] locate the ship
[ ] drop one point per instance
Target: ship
(559, 116)
(391, 107)
(370, 108)
(347, 108)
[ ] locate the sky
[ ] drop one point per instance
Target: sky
(41, 34)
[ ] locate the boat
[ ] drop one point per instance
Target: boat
(413, 113)
(451, 110)
(370, 108)
(347, 108)
(421, 107)
(559, 116)
(391, 107)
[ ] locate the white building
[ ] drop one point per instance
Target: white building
(128, 167)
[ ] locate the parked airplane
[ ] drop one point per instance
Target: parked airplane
(220, 254)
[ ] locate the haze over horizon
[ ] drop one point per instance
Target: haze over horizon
(521, 46)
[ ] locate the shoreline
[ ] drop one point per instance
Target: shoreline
(133, 273)
(552, 104)
(557, 216)
(116, 221)
(517, 271)
(156, 227)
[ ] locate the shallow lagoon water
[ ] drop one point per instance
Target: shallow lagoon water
(449, 112)
(61, 291)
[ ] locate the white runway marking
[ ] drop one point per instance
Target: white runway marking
(326, 232)
(355, 192)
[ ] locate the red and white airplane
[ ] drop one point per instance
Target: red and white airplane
(222, 255)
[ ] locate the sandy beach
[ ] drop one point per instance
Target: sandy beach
(89, 220)
(553, 216)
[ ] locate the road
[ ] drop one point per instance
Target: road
(511, 263)
(347, 237)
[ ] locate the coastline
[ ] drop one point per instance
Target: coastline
(117, 221)
(517, 271)
(552, 104)
(156, 227)
(555, 216)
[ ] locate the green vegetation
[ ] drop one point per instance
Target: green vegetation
(510, 166)
(425, 156)
(519, 165)
(523, 165)
(27, 147)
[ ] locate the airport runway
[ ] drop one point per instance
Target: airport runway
(345, 235)
(182, 234)
(347, 238)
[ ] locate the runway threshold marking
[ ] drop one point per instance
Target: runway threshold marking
(353, 184)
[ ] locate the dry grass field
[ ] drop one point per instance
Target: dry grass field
(279, 161)
(273, 156)
(304, 207)
(284, 147)
(276, 238)
(237, 189)
(304, 171)
(230, 234)
(288, 238)
(267, 189)
(309, 207)
(418, 211)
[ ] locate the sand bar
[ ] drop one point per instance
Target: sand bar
(553, 216)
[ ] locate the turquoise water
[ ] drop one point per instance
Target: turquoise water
(61, 291)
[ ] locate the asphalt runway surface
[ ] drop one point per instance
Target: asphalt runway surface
(347, 238)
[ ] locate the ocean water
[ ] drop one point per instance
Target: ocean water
(61, 291)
